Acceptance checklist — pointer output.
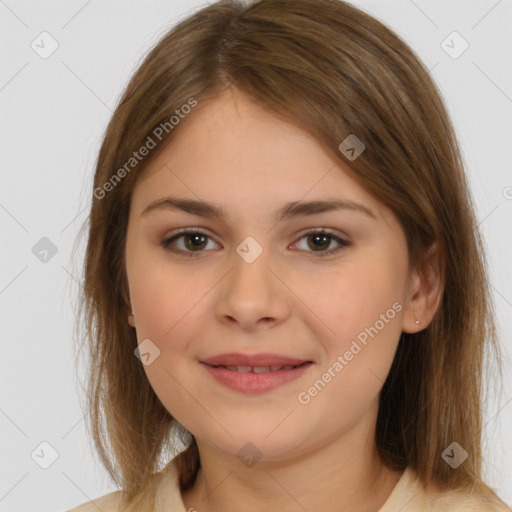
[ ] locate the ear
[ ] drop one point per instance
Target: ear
(128, 307)
(130, 315)
(426, 287)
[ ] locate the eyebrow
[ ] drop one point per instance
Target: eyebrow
(288, 211)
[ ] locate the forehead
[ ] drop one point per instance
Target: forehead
(231, 151)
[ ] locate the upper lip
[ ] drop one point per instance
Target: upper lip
(263, 359)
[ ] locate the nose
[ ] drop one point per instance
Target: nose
(252, 295)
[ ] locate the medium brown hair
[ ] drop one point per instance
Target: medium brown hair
(332, 70)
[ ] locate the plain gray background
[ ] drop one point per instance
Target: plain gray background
(54, 112)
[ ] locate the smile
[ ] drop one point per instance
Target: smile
(257, 369)
(255, 379)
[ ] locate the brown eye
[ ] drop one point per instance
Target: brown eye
(187, 242)
(319, 241)
(194, 241)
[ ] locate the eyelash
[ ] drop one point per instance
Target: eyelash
(320, 231)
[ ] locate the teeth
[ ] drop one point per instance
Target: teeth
(261, 369)
(243, 369)
(258, 369)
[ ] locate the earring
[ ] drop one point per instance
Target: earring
(417, 321)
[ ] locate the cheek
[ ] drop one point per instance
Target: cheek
(358, 358)
(169, 306)
(361, 307)
(166, 301)
(354, 298)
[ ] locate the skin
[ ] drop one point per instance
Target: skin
(288, 301)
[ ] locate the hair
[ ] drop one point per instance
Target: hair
(333, 70)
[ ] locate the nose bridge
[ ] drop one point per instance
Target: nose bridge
(250, 273)
(251, 290)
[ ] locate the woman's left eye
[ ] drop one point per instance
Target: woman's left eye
(321, 238)
(193, 242)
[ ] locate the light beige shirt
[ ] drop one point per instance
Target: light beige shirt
(407, 496)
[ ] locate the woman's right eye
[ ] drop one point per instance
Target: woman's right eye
(190, 241)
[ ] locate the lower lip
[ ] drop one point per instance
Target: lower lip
(255, 382)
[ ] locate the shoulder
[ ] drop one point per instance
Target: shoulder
(410, 496)
(106, 503)
(163, 490)
(461, 502)
(467, 502)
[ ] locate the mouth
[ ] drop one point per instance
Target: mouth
(262, 361)
(258, 369)
(255, 379)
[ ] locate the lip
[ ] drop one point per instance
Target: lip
(262, 359)
(254, 383)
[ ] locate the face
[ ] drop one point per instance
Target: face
(326, 287)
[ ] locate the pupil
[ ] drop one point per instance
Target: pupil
(195, 237)
(325, 238)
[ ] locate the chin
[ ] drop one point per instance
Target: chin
(252, 445)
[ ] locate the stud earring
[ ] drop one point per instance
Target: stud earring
(417, 321)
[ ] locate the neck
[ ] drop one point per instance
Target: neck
(343, 475)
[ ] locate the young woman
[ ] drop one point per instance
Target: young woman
(284, 262)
